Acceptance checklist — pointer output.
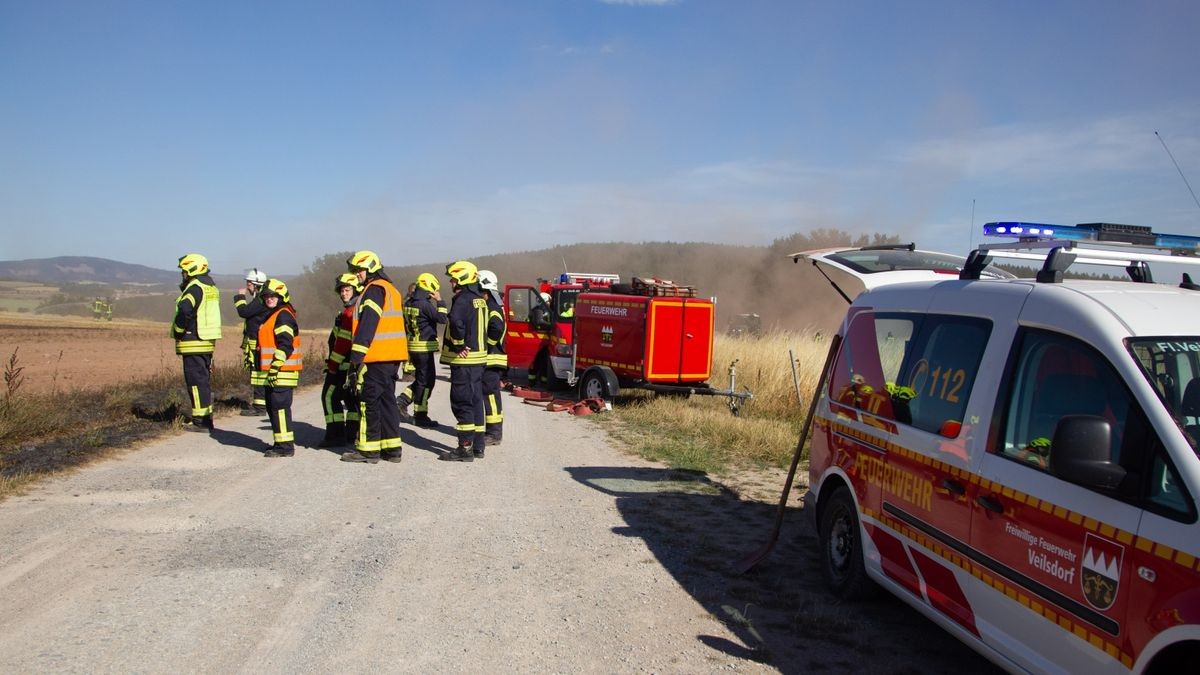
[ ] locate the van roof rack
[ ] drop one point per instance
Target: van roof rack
(1057, 247)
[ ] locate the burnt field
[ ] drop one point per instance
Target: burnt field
(68, 354)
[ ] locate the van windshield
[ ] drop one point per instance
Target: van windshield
(1172, 364)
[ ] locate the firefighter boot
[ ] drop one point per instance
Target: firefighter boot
(494, 435)
(422, 420)
(392, 455)
(356, 456)
(335, 435)
(462, 453)
(402, 402)
(280, 450)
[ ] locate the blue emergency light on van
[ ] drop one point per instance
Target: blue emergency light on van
(1098, 232)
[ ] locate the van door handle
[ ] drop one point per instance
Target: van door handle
(990, 504)
(954, 487)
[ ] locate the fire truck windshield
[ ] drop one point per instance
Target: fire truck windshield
(1172, 364)
(564, 303)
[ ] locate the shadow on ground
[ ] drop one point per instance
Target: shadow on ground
(780, 611)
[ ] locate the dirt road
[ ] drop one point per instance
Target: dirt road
(555, 553)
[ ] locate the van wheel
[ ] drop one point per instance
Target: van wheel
(841, 548)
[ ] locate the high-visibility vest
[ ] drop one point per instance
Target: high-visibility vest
(390, 342)
(208, 320)
(266, 344)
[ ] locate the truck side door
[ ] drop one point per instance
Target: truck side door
(528, 325)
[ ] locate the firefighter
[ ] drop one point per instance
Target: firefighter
(280, 358)
(338, 401)
(376, 356)
(409, 370)
(422, 314)
(496, 367)
(108, 307)
(196, 329)
(250, 307)
(464, 349)
(97, 308)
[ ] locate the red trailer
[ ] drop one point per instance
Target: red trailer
(652, 335)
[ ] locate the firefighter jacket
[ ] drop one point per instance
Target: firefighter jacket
(340, 340)
(421, 318)
(197, 324)
(279, 346)
(378, 325)
(466, 328)
(497, 329)
(254, 312)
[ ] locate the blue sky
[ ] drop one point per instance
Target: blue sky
(270, 133)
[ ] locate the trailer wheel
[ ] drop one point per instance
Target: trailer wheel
(841, 548)
(596, 383)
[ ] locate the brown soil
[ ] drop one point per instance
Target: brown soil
(66, 353)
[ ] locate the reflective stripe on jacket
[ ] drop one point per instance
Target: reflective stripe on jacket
(276, 337)
(466, 329)
(340, 340)
(497, 329)
(421, 318)
(381, 320)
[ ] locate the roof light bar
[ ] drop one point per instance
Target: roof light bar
(1098, 232)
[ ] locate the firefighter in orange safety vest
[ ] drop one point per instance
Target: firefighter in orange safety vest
(379, 349)
(196, 329)
(464, 349)
(249, 305)
(423, 312)
(497, 360)
(280, 357)
(339, 402)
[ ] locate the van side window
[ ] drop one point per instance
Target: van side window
(938, 373)
(1165, 493)
(1055, 376)
(858, 379)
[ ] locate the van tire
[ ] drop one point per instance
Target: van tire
(840, 536)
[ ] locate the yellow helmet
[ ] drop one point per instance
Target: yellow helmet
(194, 264)
(347, 279)
(428, 282)
(276, 287)
(463, 272)
(364, 260)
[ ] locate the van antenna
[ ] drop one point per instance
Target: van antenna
(1185, 180)
(565, 264)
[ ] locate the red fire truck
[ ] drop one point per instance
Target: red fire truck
(650, 334)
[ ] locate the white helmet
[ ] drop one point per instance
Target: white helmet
(545, 297)
(257, 276)
(488, 280)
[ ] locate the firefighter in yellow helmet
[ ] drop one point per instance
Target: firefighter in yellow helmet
(196, 329)
(464, 349)
(379, 348)
(422, 314)
(280, 357)
(339, 402)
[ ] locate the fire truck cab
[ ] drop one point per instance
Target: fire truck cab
(540, 336)
(1018, 459)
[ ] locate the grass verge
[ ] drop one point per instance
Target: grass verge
(700, 433)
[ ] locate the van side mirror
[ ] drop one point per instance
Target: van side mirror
(1081, 453)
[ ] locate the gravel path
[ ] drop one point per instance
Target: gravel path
(555, 553)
